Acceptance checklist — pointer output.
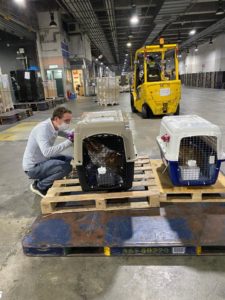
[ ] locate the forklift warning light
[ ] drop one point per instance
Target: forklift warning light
(161, 41)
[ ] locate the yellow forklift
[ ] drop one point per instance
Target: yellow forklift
(156, 85)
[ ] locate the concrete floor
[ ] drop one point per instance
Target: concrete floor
(134, 278)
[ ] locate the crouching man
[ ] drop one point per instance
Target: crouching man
(41, 160)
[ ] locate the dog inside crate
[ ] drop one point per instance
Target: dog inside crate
(103, 160)
(198, 157)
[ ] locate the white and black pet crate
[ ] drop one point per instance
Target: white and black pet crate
(191, 148)
(104, 151)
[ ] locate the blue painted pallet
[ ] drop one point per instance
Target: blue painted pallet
(172, 230)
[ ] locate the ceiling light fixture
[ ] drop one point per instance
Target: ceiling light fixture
(211, 41)
(192, 32)
(196, 48)
(134, 20)
(220, 10)
(100, 56)
(20, 2)
(52, 23)
(129, 44)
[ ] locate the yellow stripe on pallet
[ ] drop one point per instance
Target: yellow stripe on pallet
(107, 251)
(199, 250)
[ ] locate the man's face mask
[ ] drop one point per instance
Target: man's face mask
(64, 126)
(65, 122)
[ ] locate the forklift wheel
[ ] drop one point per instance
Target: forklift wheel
(177, 111)
(133, 109)
(147, 112)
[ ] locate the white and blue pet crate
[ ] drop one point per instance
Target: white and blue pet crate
(191, 148)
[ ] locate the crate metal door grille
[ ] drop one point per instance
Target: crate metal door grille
(198, 158)
(107, 151)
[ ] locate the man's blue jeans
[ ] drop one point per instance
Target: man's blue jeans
(50, 170)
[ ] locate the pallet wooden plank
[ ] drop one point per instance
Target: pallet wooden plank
(142, 205)
(179, 200)
(149, 182)
(60, 188)
(196, 197)
(100, 204)
(46, 207)
(143, 157)
(142, 176)
(153, 201)
(68, 189)
(66, 181)
(146, 167)
(94, 196)
(142, 161)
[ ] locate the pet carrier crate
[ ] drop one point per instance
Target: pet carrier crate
(191, 148)
(104, 151)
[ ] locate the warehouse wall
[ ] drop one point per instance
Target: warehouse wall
(209, 58)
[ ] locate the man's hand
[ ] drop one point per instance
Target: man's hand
(70, 136)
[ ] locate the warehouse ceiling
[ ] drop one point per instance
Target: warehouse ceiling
(107, 22)
(171, 19)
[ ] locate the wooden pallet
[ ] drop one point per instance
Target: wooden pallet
(109, 104)
(41, 105)
(29, 111)
(14, 116)
(60, 100)
(172, 194)
(67, 196)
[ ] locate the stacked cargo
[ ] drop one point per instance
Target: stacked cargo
(100, 90)
(6, 102)
(108, 90)
(50, 89)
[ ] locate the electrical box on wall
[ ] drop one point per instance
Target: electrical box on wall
(74, 28)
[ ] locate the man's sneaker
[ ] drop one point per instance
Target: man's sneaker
(36, 190)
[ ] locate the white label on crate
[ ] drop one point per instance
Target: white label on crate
(165, 92)
(179, 250)
(27, 75)
(97, 120)
(212, 160)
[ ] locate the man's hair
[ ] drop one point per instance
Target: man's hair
(60, 111)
